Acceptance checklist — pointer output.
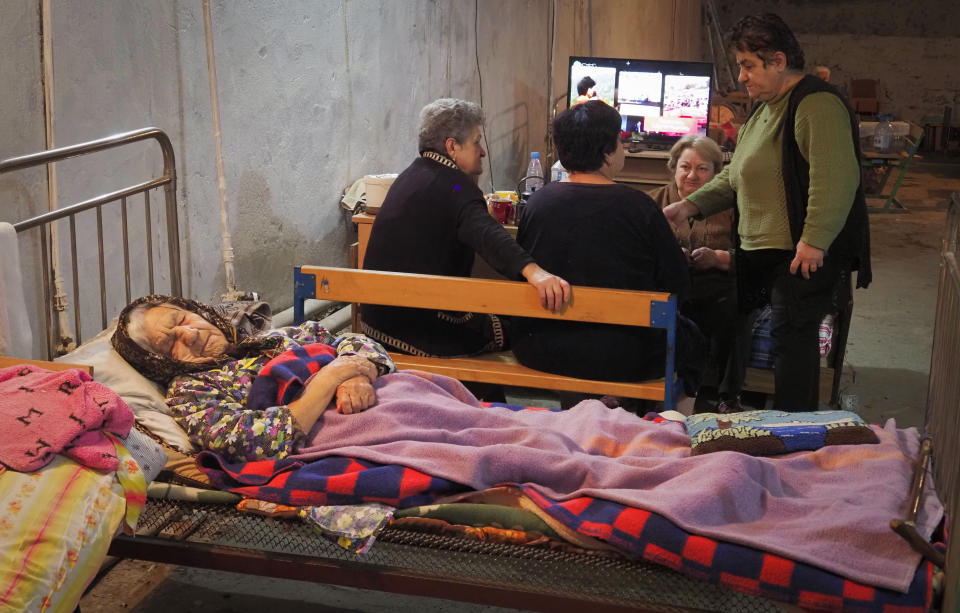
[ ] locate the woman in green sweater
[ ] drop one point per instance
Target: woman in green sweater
(795, 182)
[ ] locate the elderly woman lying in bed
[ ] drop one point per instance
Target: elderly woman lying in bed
(210, 362)
(829, 508)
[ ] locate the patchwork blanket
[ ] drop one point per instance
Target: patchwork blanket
(646, 535)
(829, 508)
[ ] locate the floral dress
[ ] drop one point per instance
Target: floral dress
(211, 406)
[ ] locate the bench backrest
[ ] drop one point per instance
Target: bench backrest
(590, 304)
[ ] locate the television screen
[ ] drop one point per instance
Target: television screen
(659, 100)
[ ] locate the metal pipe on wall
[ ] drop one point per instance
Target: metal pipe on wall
(226, 243)
(66, 340)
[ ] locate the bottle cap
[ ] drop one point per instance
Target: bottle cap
(535, 155)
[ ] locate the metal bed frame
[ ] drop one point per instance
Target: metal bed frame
(167, 180)
(218, 537)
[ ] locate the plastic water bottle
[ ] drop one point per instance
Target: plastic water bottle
(534, 173)
(883, 136)
(558, 172)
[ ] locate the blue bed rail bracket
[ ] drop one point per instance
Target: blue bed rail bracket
(663, 314)
(304, 287)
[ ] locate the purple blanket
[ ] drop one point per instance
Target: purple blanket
(830, 508)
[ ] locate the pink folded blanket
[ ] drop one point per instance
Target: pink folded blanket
(43, 412)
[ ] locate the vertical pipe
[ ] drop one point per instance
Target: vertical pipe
(126, 248)
(225, 239)
(59, 297)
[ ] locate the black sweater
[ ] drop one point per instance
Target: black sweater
(601, 236)
(433, 220)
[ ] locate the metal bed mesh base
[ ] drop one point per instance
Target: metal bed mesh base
(402, 561)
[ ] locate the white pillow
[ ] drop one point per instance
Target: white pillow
(145, 397)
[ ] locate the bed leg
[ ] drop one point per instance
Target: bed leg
(907, 528)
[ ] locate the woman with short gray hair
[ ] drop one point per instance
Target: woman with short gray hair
(448, 118)
(434, 220)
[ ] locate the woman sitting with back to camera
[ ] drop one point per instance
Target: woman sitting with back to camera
(596, 232)
(434, 219)
(708, 244)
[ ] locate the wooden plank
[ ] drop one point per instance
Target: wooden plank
(598, 305)
(55, 366)
(514, 374)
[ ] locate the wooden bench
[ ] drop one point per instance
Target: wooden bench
(590, 304)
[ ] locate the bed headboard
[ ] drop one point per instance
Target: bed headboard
(111, 202)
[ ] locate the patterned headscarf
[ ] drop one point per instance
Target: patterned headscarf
(240, 326)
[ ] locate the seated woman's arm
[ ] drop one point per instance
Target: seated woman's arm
(495, 245)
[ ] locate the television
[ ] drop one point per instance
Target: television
(659, 100)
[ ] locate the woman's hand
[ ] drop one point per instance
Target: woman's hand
(808, 259)
(322, 387)
(554, 291)
(678, 212)
(354, 395)
(346, 367)
(705, 258)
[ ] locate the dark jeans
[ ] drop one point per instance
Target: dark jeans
(798, 307)
(713, 307)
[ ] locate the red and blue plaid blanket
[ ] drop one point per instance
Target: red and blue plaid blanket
(646, 535)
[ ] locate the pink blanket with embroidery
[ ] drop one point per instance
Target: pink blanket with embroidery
(44, 412)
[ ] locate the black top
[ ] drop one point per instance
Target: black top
(601, 236)
(433, 220)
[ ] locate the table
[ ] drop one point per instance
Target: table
(901, 154)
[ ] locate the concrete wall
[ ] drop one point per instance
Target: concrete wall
(313, 94)
(911, 48)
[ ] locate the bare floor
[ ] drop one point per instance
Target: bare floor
(884, 376)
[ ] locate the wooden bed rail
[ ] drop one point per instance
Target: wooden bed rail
(589, 304)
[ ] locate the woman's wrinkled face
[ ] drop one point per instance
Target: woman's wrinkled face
(692, 172)
(469, 154)
(183, 335)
